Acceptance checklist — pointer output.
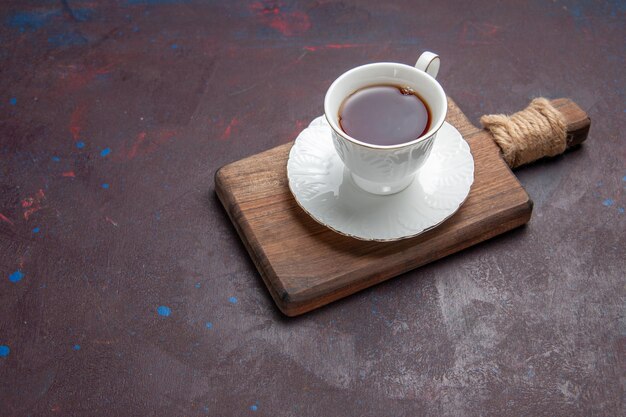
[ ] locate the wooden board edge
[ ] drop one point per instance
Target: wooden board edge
(295, 304)
(246, 234)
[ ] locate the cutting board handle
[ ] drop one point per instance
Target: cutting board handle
(545, 128)
(577, 121)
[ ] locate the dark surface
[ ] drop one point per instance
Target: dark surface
(531, 323)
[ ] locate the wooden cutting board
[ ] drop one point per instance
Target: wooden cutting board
(306, 265)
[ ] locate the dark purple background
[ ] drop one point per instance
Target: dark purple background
(124, 290)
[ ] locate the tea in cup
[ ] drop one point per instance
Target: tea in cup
(384, 118)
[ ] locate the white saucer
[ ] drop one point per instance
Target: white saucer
(325, 190)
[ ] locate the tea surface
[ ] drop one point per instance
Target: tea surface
(384, 115)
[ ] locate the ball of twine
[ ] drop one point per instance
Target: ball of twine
(533, 133)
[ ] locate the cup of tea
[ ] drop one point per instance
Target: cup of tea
(384, 118)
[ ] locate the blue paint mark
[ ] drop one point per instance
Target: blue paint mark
(608, 202)
(36, 230)
(135, 29)
(164, 311)
(13, 101)
(254, 407)
(4, 351)
(56, 159)
(67, 39)
(530, 373)
(105, 186)
(32, 20)
(374, 310)
(624, 177)
(621, 210)
(157, 215)
(174, 46)
(232, 300)
(209, 325)
(205, 409)
(16, 276)
(80, 144)
(105, 152)
(82, 14)
(76, 347)
(197, 285)
(576, 11)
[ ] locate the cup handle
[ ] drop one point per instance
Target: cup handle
(429, 63)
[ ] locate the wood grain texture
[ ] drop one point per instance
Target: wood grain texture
(305, 265)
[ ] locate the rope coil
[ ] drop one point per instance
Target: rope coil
(533, 133)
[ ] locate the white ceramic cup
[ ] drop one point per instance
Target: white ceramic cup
(387, 169)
